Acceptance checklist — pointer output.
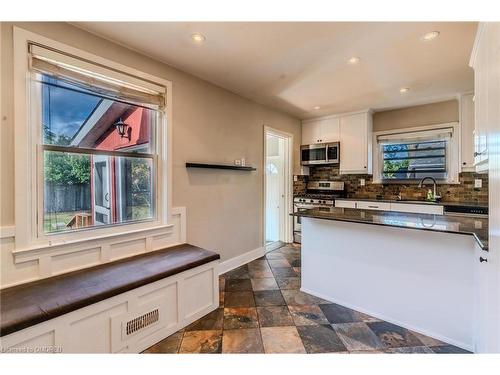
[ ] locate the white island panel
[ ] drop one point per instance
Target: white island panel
(418, 279)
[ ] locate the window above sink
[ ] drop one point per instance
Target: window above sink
(406, 156)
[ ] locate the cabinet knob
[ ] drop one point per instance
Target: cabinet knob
(481, 259)
(464, 163)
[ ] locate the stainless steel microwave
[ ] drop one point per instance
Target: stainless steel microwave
(320, 153)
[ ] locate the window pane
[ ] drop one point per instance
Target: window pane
(72, 116)
(136, 193)
(415, 160)
(67, 191)
(92, 190)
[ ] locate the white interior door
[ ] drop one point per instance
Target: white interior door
(102, 206)
(275, 208)
(272, 202)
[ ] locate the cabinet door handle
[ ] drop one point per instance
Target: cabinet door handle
(372, 206)
(481, 259)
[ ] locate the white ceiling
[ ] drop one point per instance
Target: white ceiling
(297, 66)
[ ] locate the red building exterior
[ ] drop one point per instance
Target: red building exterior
(106, 171)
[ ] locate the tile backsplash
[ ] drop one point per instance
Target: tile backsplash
(299, 185)
(462, 192)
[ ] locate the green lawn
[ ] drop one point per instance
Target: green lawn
(140, 212)
(53, 220)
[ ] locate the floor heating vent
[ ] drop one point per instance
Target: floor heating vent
(142, 321)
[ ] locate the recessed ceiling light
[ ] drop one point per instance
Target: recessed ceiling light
(316, 107)
(427, 37)
(198, 38)
(353, 60)
(404, 90)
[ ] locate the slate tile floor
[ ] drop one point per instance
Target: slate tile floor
(262, 310)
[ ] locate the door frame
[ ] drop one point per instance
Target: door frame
(286, 229)
(108, 191)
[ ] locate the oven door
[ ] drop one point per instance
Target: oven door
(313, 154)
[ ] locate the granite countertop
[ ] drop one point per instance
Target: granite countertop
(477, 227)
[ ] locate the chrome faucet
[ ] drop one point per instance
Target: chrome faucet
(434, 193)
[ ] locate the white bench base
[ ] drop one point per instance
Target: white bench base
(102, 327)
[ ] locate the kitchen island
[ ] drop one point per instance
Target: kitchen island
(414, 270)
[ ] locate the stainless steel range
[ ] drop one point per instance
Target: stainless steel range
(321, 195)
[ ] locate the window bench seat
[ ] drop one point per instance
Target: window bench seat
(180, 282)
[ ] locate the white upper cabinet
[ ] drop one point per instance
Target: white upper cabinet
(320, 131)
(311, 132)
(330, 129)
(356, 143)
(467, 132)
(479, 62)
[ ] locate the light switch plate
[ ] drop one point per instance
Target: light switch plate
(237, 162)
(478, 183)
(361, 182)
(295, 178)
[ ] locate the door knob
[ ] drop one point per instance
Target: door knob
(481, 259)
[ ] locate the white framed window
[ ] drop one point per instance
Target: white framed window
(92, 149)
(407, 156)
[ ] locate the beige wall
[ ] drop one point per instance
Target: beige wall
(427, 114)
(224, 208)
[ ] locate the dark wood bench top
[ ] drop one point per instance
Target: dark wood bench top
(28, 304)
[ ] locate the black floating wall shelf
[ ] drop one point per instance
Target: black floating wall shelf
(220, 166)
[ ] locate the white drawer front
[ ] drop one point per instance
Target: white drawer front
(383, 206)
(418, 208)
(345, 204)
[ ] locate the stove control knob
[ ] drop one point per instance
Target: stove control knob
(311, 201)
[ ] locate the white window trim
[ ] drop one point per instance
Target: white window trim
(453, 160)
(27, 196)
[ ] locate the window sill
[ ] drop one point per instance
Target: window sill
(43, 248)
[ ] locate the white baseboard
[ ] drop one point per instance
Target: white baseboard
(389, 319)
(240, 260)
(274, 246)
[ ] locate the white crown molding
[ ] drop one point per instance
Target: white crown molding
(336, 115)
(430, 100)
(479, 33)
